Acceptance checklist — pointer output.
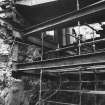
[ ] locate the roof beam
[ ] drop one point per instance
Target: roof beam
(94, 8)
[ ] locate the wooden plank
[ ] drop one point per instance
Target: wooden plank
(85, 91)
(67, 62)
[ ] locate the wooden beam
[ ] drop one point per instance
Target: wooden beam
(69, 17)
(67, 62)
(39, 42)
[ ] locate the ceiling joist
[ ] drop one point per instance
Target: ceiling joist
(69, 17)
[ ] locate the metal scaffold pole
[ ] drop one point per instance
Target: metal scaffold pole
(41, 72)
(79, 47)
(93, 41)
(79, 41)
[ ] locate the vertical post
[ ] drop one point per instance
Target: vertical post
(79, 48)
(67, 35)
(41, 72)
(79, 42)
(64, 37)
(80, 86)
(40, 91)
(42, 37)
(78, 5)
(93, 42)
(56, 37)
(95, 73)
(60, 37)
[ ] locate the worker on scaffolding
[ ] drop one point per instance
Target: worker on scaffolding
(101, 32)
(78, 37)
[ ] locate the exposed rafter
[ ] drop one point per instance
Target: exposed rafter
(94, 8)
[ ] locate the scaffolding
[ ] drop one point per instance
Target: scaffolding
(81, 76)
